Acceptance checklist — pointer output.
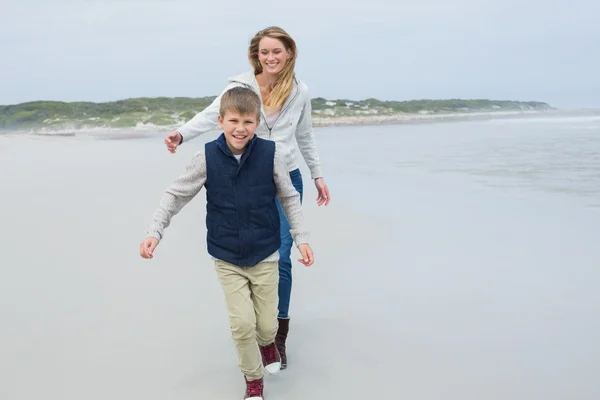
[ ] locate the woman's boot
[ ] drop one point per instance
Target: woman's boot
(280, 338)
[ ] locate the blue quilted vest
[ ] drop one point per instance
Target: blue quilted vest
(242, 220)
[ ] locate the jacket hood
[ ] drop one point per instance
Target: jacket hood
(245, 78)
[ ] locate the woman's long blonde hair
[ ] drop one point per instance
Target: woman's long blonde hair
(285, 80)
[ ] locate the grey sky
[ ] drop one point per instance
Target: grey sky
(388, 49)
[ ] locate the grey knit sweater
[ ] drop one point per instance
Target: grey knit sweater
(187, 185)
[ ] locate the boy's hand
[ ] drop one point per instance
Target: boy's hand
(147, 247)
(307, 254)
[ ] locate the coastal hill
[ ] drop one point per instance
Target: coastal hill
(169, 112)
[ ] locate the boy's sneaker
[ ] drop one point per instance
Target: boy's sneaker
(270, 358)
(254, 390)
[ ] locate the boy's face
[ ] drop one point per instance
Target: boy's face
(238, 129)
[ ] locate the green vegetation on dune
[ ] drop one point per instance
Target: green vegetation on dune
(164, 111)
(117, 114)
(324, 107)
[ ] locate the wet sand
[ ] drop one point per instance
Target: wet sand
(424, 287)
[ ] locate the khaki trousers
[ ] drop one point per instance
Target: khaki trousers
(251, 296)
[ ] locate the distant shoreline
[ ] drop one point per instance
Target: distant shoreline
(398, 119)
(161, 114)
(144, 130)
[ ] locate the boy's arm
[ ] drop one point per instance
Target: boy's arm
(289, 198)
(182, 191)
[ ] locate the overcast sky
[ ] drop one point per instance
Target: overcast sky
(104, 50)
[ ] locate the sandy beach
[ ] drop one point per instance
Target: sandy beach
(454, 262)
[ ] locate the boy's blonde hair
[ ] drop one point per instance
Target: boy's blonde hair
(241, 100)
(285, 81)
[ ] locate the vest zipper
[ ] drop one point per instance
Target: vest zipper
(237, 214)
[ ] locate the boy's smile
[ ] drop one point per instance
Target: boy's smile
(238, 130)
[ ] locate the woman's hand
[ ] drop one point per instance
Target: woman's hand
(172, 140)
(323, 197)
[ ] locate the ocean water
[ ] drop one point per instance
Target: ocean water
(554, 157)
(456, 260)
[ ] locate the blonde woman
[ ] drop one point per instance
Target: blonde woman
(285, 119)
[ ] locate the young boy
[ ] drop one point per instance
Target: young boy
(243, 175)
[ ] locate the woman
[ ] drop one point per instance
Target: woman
(285, 119)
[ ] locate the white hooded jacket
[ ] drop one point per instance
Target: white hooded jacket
(292, 130)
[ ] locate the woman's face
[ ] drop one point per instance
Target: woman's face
(272, 55)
